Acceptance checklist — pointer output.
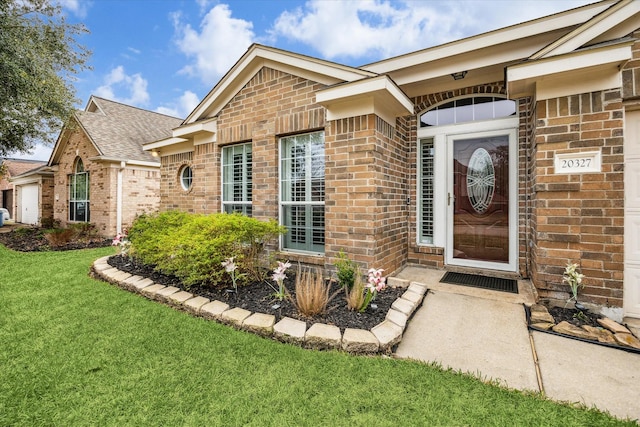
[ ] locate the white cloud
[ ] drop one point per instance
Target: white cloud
(216, 45)
(183, 107)
(133, 86)
(38, 152)
(358, 29)
(78, 7)
(134, 50)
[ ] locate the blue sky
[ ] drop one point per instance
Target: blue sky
(165, 55)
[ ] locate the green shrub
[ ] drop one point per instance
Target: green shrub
(193, 247)
(149, 235)
(345, 270)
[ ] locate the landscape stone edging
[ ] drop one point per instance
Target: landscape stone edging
(380, 339)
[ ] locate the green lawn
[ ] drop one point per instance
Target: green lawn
(76, 351)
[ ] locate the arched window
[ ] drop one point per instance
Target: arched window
(468, 110)
(186, 177)
(79, 193)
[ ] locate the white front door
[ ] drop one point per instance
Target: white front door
(631, 298)
(29, 204)
(468, 193)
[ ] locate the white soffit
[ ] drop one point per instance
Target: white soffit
(377, 95)
(533, 28)
(592, 29)
(522, 78)
(259, 56)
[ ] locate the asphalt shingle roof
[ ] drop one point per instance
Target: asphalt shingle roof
(119, 130)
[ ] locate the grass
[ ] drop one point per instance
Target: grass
(76, 351)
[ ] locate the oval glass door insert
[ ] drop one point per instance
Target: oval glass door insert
(481, 180)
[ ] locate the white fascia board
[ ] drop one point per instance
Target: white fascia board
(380, 89)
(616, 54)
(118, 160)
(497, 37)
(163, 143)
(207, 126)
(27, 179)
(591, 29)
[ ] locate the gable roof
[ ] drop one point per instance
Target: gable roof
(258, 56)
(15, 167)
(118, 131)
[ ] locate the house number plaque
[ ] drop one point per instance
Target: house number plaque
(578, 162)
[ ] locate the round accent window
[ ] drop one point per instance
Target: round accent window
(186, 177)
(481, 180)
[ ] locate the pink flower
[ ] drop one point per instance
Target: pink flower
(229, 265)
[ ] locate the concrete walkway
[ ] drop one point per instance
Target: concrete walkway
(484, 333)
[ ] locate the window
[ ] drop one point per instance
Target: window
(426, 183)
(186, 177)
(79, 193)
(236, 178)
(468, 110)
(302, 191)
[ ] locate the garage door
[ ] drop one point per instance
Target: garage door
(632, 214)
(28, 204)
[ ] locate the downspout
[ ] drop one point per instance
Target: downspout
(119, 198)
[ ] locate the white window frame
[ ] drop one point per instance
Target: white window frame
(182, 178)
(229, 181)
(73, 192)
(308, 202)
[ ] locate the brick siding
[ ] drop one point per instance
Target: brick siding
(579, 217)
(140, 188)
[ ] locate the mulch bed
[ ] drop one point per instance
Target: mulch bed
(259, 297)
(574, 317)
(31, 239)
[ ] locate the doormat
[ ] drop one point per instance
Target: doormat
(484, 282)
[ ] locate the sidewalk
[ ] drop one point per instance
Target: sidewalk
(485, 334)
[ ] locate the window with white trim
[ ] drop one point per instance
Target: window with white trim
(468, 109)
(302, 191)
(426, 189)
(237, 178)
(186, 177)
(79, 193)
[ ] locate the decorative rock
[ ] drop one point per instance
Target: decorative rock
(404, 306)
(235, 316)
(151, 291)
(321, 336)
(397, 318)
(614, 327)
(120, 276)
(290, 330)
(418, 288)
(214, 309)
(359, 341)
(627, 340)
(387, 334)
(395, 282)
(567, 328)
(128, 284)
(142, 284)
(412, 297)
(194, 304)
(108, 273)
(538, 307)
(179, 297)
(541, 317)
(163, 295)
(260, 323)
(603, 335)
(544, 326)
